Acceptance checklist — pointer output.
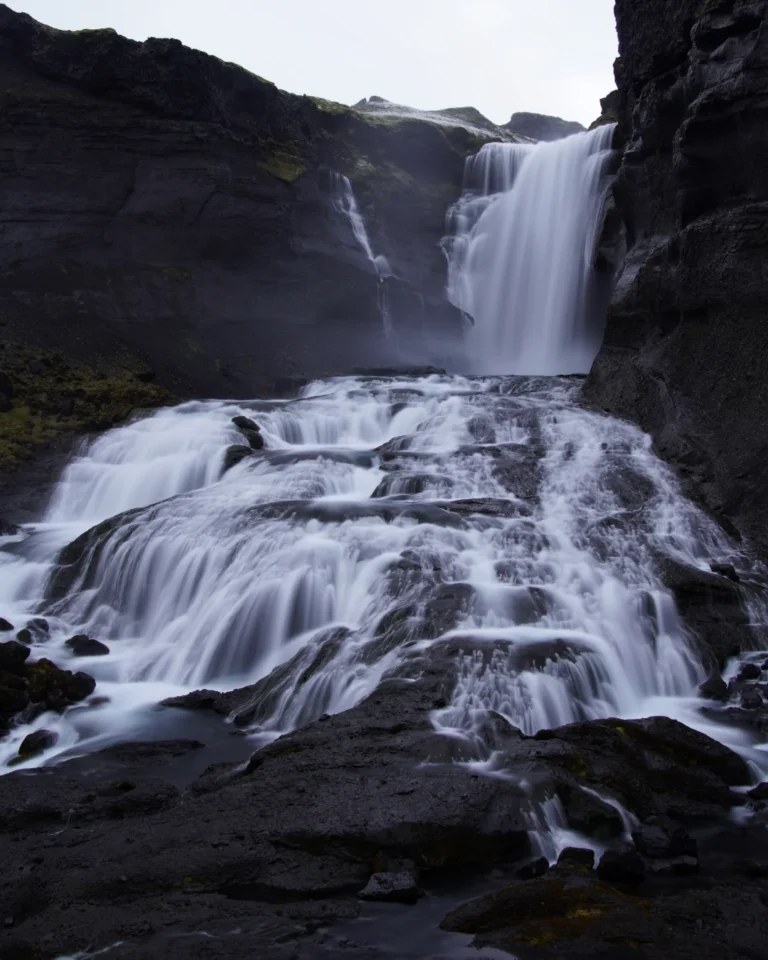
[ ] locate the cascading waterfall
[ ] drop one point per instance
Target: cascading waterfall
(318, 562)
(344, 202)
(520, 251)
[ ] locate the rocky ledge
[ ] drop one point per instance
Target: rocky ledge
(280, 852)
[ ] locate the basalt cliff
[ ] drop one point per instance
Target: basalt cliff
(167, 228)
(686, 338)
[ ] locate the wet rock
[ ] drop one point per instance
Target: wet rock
(37, 742)
(39, 629)
(245, 423)
(677, 867)
(392, 888)
(714, 687)
(12, 701)
(5, 626)
(625, 868)
(580, 856)
(8, 529)
(725, 570)
(590, 815)
(760, 792)
(653, 767)
(664, 839)
(199, 700)
(55, 687)
(234, 455)
(84, 646)
(712, 607)
(449, 603)
(13, 656)
(750, 671)
(752, 700)
(24, 636)
(534, 869)
(255, 439)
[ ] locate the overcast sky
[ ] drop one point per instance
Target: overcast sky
(501, 56)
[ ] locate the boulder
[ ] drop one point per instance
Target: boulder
(13, 656)
(392, 888)
(37, 742)
(254, 438)
(234, 455)
(664, 839)
(578, 856)
(714, 687)
(5, 626)
(84, 646)
(533, 869)
(621, 867)
(750, 671)
(55, 687)
(245, 423)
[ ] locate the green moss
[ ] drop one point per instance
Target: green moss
(54, 397)
(611, 116)
(284, 162)
(330, 106)
(93, 31)
(174, 273)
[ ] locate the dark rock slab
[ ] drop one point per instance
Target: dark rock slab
(84, 646)
(392, 888)
(37, 742)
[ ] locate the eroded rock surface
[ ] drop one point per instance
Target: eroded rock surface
(686, 343)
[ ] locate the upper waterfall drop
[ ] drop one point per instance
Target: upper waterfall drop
(520, 254)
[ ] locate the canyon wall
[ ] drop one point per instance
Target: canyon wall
(687, 339)
(167, 229)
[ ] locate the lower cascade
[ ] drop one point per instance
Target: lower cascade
(388, 523)
(521, 250)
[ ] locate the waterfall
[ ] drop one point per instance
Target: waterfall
(344, 202)
(387, 518)
(520, 252)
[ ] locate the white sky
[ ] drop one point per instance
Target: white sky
(501, 56)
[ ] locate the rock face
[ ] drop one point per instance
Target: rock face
(182, 240)
(686, 340)
(536, 126)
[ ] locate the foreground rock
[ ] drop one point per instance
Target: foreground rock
(32, 688)
(572, 912)
(686, 341)
(315, 815)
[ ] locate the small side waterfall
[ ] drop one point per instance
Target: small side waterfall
(344, 202)
(520, 251)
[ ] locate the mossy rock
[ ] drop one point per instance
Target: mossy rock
(53, 396)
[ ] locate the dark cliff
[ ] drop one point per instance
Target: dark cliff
(166, 215)
(536, 126)
(687, 340)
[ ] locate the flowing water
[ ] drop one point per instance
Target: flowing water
(520, 254)
(488, 521)
(344, 202)
(388, 518)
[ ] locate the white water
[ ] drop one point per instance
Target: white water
(345, 203)
(285, 558)
(520, 251)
